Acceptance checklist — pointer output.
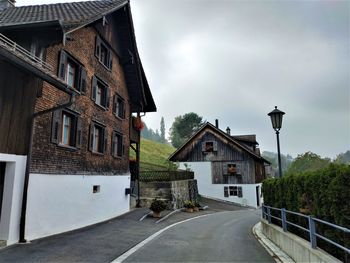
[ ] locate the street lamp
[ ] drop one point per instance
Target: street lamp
(276, 119)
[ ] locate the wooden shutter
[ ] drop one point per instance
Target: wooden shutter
(83, 80)
(203, 146)
(124, 146)
(107, 98)
(240, 192)
(226, 191)
(98, 47)
(215, 146)
(56, 126)
(79, 135)
(93, 88)
(91, 135)
(114, 108)
(224, 168)
(113, 145)
(105, 140)
(123, 109)
(110, 59)
(62, 65)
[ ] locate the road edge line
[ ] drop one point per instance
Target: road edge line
(132, 250)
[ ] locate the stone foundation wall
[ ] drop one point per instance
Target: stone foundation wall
(175, 193)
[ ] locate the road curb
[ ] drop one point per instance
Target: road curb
(277, 254)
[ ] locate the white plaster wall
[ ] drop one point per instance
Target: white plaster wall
(202, 172)
(60, 203)
(12, 197)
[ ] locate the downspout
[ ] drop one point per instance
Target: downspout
(138, 149)
(27, 171)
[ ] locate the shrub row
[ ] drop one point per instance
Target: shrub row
(324, 194)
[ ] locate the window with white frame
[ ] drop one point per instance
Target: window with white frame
(66, 128)
(100, 92)
(98, 138)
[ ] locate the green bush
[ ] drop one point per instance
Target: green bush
(157, 205)
(324, 194)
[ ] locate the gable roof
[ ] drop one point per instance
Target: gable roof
(231, 139)
(70, 15)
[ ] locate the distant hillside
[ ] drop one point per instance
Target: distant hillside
(154, 155)
(286, 160)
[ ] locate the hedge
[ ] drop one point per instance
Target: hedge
(324, 194)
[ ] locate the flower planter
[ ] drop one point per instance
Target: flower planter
(189, 210)
(156, 214)
(196, 209)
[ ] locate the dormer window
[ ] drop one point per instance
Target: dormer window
(103, 53)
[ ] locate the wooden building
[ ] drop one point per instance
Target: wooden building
(71, 80)
(224, 165)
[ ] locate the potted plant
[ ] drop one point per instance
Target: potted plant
(157, 206)
(189, 205)
(196, 207)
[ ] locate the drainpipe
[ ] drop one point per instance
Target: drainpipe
(26, 175)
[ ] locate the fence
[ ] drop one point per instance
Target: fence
(311, 225)
(16, 49)
(160, 176)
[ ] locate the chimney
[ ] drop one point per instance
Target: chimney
(228, 131)
(6, 3)
(217, 123)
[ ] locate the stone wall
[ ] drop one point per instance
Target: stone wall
(173, 192)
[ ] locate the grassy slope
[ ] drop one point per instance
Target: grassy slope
(154, 153)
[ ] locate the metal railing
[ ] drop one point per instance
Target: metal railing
(311, 228)
(21, 52)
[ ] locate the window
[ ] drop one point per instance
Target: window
(98, 138)
(103, 53)
(119, 106)
(66, 128)
(231, 168)
(118, 147)
(72, 72)
(100, 92)
(209, 146)
(235, 191)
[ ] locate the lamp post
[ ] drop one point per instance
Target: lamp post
(276, 119)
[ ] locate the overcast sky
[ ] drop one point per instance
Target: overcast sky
(236, 60)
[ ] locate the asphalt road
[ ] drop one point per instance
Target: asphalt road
(220, 237)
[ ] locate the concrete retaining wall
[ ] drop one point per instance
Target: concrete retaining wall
(297, 248)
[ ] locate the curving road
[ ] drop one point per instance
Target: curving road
(220, 237)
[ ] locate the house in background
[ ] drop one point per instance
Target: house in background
(226, 167)
(70, 81)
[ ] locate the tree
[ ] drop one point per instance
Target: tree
(183, 127)
(307, 162)
(162, 130)
(286, 160)
(343, 158)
